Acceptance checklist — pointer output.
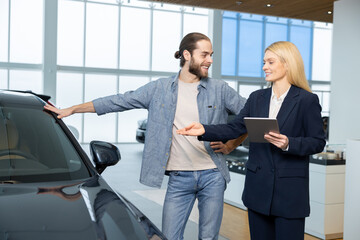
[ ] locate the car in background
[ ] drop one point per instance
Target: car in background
(141, 130)
(49, 188)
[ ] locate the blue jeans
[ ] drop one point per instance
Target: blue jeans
(184, 187)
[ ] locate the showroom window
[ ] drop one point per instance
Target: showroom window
(68, 96)
(104, 126)
(70, 41)
(135, 38)
(101, 35)
(4, 79)
(97, 52)
(21, 45)
(103, 54)
(246, 36)
(321, 64)
(128, 120)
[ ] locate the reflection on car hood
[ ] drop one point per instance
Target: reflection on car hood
(85, 210)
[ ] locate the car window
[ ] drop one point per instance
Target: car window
(33, 147)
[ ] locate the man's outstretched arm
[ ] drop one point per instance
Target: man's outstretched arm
(87, 107)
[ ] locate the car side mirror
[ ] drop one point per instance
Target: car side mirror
(104, 154)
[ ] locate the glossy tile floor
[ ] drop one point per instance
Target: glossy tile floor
(124, 178)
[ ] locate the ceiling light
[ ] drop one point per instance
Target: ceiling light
(269, 5)
(329, 12)
(238, 2)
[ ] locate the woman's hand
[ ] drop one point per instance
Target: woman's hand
(279, 140)
(194, 129)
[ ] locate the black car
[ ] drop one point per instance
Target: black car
(49, 188)
(141, 131)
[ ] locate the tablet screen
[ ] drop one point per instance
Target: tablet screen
(258, 127)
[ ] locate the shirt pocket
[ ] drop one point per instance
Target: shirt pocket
(214, 111)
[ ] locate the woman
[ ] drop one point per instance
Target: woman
(276, 190)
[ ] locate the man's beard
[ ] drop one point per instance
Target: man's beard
(196, 69)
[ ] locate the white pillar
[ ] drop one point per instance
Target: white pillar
(345, 75)
(352, 192)
(215, 33)
(344, 104)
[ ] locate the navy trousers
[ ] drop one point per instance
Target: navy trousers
(263, 227)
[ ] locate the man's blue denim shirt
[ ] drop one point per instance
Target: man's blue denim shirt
(215, 100)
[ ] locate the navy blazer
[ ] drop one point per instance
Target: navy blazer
(277, 181)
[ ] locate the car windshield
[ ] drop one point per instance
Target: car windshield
(34, 148)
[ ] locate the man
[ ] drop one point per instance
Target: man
(196, 169)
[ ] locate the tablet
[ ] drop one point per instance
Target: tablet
(257, 127)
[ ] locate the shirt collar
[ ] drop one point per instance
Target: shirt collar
(281, 98)
(175, 80)
(204, 82)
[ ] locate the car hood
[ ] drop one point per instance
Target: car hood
(69, 210)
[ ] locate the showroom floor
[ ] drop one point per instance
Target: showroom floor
(124, 178)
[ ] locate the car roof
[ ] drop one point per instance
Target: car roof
(28, 98)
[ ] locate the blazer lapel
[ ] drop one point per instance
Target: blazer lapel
(264, 103)
(288, 105)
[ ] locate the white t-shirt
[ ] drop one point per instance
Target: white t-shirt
(187, 152)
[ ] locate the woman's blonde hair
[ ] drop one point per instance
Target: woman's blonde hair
(290, 55)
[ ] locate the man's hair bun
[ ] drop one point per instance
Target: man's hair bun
(177, 55)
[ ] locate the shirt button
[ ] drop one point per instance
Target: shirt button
(167, 154)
